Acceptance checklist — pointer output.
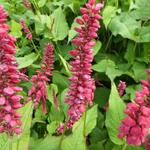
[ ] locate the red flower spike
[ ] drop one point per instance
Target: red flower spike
(38, 91)
(82, 86)
(136, 129)
(9, 77)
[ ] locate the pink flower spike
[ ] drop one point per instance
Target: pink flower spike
(82, 86)
(38, 91)
(139, 114)
(9, 79)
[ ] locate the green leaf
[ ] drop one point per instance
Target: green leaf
(66, 65)
(144, 35)
(52, 88)
(101, 96)
(56, 115)
(67, 2)
(57, 77)
(64, 106)
(108, 13)
(27, 60)
(51, 128)
(60, 26)
(24, 139)
(141, 10)
(72, 33)
(48, 143)
(103, 65)
(97, 47)
(109, 67)
(139, 70)
(84, 126)
(112, 73)
(15, 29)
(126, 26)
(41, 3)
(130, 53)
(90, 123)
(114, 115)
(4, 144)
(21, 141)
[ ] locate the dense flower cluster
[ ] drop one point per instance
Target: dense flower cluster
(121, 87)
(26, 29)
(38, 91)
(82, 86)
(27, 4)
(9, 78)
(135, 126)
(147, 143)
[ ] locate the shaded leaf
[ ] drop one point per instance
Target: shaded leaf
(114, 115)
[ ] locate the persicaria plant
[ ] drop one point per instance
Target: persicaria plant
(74, 75)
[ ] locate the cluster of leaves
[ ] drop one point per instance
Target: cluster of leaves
(120, 53)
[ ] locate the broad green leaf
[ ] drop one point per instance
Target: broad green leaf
(27, 60)
(114, 115)
(109, 67)
(66, 65)
(64, 106)
(67, 2)
(97, 47)
(101, 96)
(144, 35)
(40, 21)
(24, 138)
(41, 3)
(103, 65)
(60, 80)
(112, 73)
(48, 143)
(60, 26)
(72, 33)
(131, 89)
(108, 13)
(134, 148)
(15, 29)
(98, 135)
(56, 114)
(4, 142)
(126, 26)
(51, 128)
(141, 10)
(75, 141)
(20, 142)
(90, 121)
(130, 53)
(97, 146)
(81, 128)
(139, 70)
(52, 89)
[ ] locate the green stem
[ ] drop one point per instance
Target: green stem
(84, 129)
(35, 48)
(124, 146)
(10, 143)
(62, 137)
(117, 3)
(17, 143)
(108, 43)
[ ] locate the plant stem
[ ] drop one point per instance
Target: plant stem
(10, 143)
(124, 146)
(108, 43)
(62, 137)
(84, 129)
(17, 143)
(35, 48)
